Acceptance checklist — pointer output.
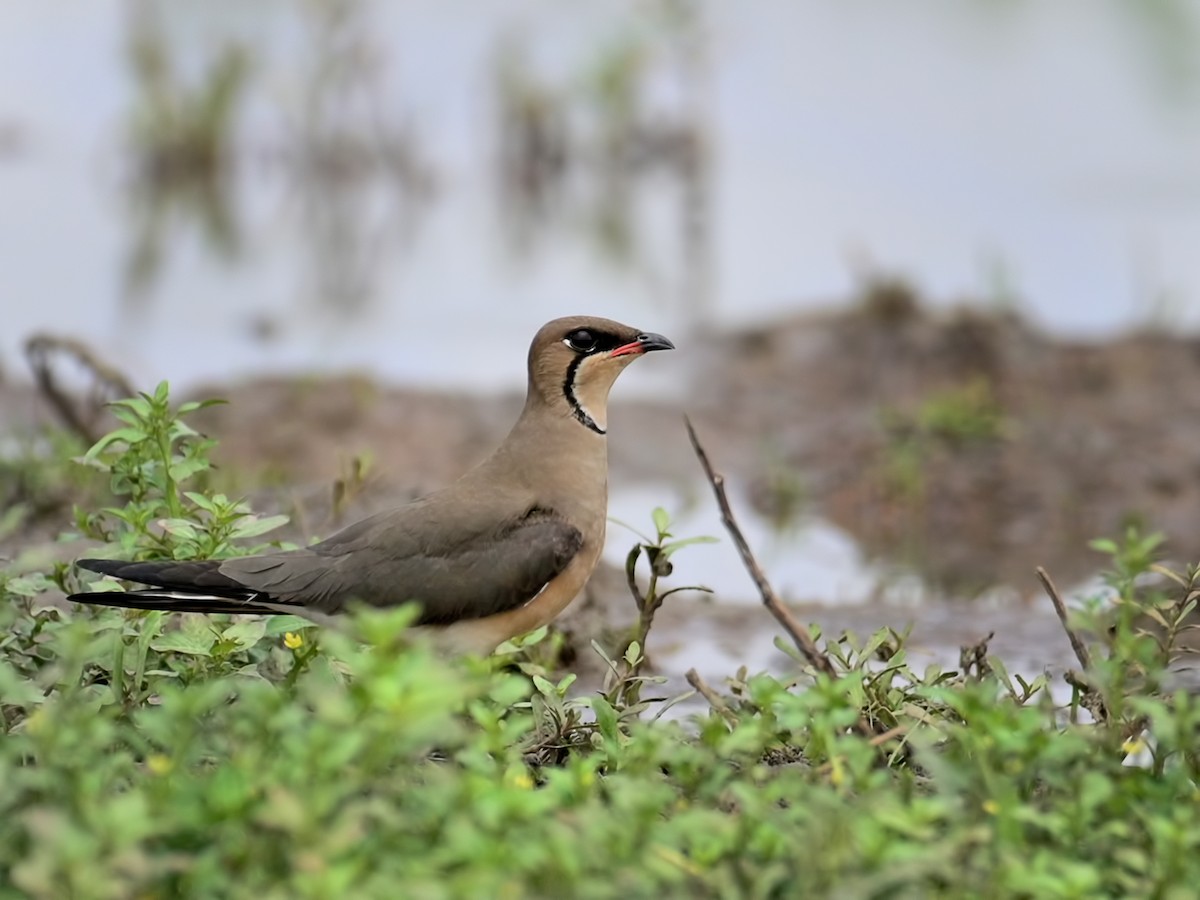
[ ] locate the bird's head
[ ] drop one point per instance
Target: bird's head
(574, 361)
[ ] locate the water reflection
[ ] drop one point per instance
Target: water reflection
(356, 170)
(590, 152)
(597, 153)
(181, 152)
(355, 176)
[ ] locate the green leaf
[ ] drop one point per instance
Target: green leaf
(606, 717)
(151, 627)
(126, 415)
(15, 689)
(104, 585)
(277, 625)
(128, 435)
(179, 528)
(139, 405)
(633, 653)
(252, 526)
(674, 546)
(645, 538)
(200, 500)
(27, 585)
(195, 638)
(535, 637)
(193, 405)
(662, 521)
(186, 468)
(181, 642)
(246, 633)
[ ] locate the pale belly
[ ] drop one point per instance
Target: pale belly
(482, 636)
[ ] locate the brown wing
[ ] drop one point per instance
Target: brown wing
(392, 559)
(386, 560)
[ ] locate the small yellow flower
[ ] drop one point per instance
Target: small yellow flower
(293, 641)
(158, 764)
(1133, 746)
(519, 780)
(837, 772)
(991, 807)
(35, 721)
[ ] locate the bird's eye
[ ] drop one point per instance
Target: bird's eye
(581, 341)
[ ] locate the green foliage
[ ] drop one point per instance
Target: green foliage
(149, 461)
(625, 688)
(963, 413)
(36, 478)
(148, 755)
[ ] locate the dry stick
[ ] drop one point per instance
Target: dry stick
(713, 698)
(1090, 697)
(799, 634)
(1081, 650)
(109, 383)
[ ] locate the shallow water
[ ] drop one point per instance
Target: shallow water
(1037, 154)
(819, 571)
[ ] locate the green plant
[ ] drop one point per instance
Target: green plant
(149, 462)
(264, 758)
(36, 478)
(657, 551)
(563, 722)
(955, 417)
(962, 413)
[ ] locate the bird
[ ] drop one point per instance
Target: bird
(498, 553)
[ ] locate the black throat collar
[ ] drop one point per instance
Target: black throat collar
(577, 409)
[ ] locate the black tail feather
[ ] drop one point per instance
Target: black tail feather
(193, 586)
(203, 575)
(178, 601)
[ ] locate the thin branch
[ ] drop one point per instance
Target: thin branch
(1081, 650)
(107, 382)
(799, 634)
(714, 700)
(1088, 695)
(631, 576)
(884, 737)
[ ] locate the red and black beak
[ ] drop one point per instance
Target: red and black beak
(644, 344)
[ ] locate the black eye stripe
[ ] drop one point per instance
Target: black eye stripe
(589, 340)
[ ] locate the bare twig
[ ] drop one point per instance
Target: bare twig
(884, 737)
(631, 577)
(714, 700)
(107, 382)
(1088, 695)
(973, 657)
(799, 634)
(1081, 650)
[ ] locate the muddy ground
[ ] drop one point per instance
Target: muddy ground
(964, 446)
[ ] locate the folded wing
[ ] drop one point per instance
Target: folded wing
(381, 561)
